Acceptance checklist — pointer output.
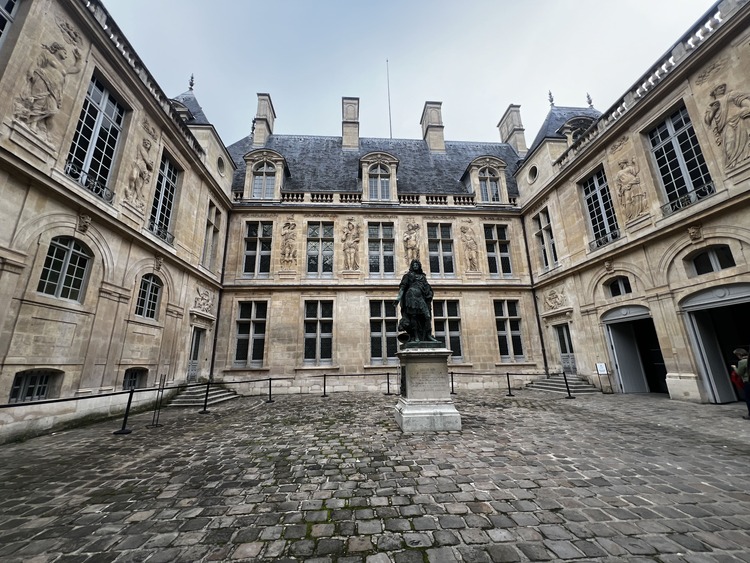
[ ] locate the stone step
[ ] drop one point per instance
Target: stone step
(556, 384)
(196, 396)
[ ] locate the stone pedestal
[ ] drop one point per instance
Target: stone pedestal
(427, 405)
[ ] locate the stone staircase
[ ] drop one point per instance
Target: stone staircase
(196, 396)
(556, 384)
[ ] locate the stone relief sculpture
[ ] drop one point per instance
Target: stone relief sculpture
(631, 195)
(140, 175)
(471, 248)
(41, 96)
(350, 238)
(695, 232)
(204, 301)
(84, 222)
(554, 300)
(411, 242)
(288, 250)
(729, 117)
(415, 296)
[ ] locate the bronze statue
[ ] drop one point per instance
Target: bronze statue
(415, 297)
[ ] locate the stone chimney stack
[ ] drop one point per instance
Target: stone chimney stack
(350, 123)
(432, 126)
(511, 129)
(263, 122)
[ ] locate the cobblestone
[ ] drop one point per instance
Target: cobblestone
(530, 478)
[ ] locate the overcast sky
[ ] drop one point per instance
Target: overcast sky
(475, 56)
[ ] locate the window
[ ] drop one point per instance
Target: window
(683, 170)
(164, 199)
(498, 250)
(599, 206)
(264, 180)
(380, 249)
(92, 153)
(147, 304)
(713, 259)
(448, 326)
(489, 185)
(251, 334)
(545, 240)
(65, 269)
(319, 249)
(383, 332)
(211, 242)
(33, 385)
(440, 246)
(258, 249)
(6, 17)
(134, 378)
(508, 326)
(380, 182)
(318, 332)
(619, 286)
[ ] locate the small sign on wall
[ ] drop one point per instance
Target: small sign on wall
(601, 368)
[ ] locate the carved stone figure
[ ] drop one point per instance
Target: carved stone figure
(471, 248)
(203, 301)
(42, 94)
(350, 238)
(729, 117)
(84, 222)
(288, 250)
(632, 197)
(554, 300)
(695, 232)
(140, 175)
(415, 296)
(411, 242)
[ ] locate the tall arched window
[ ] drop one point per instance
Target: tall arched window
(147, 303)
(489, 185)
(380, 182)
(65, 269)
(264, 179)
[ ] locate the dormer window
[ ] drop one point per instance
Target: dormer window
(264, 180)
(380, 182)
(489, 185)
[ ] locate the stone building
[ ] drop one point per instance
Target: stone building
(134, 244)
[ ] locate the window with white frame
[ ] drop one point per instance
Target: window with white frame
(34, 385)
(489, 185)
(600, 210)
(508, 328)
(712, 259)
(65, 269)
(619, 286)
(264, 180)
(319, 249)
(258, 248)
(440, 248)
(211, 241)
(447, 319)
(134, 378)
(380, 182)
(380, 249)
(164, 200)
(318, 332)
(251, 333)
(682, 168)
(545, 239)
(498, 250)
(7, 12)
(383, 332)
(147, 304)
(91, 157)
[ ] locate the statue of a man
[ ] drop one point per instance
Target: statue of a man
(415, 297)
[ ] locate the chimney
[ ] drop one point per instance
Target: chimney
(263, 122)
(350, 123)
(511, 129)
(432, 126)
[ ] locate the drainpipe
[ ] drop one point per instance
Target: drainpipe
(533, 297)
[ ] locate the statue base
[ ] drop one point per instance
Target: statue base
(426, 404)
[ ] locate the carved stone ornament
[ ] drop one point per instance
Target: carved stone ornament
(471, 247)
(618, 144)
(728, 115)
(140, 175)
(288, 245)
(710, 70)
(608, 266)
(204, 301)
(695, 232)
(158, 262)
(629, 190)
(411, 241)
(554, 300)
(148, 128)
(84, 221)
(70, 34)
(350, 239)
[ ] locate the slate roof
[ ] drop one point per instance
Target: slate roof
(189, 100)
(556, 118)
(319, 164)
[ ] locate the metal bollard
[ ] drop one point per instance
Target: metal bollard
(324, 385)
(507, 376)
(387, 383)
(205, 399)
(565, 378)
(453, 391)
(270, 400)
(125, 429)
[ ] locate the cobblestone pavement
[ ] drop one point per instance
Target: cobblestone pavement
(533, 477)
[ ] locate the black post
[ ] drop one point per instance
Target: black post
(270, 400)
(507, 376)
(453, 392)
(324, 385)
(125, 429)
(205, 399)
(387, 383)
(157, 404)
(565, 378)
